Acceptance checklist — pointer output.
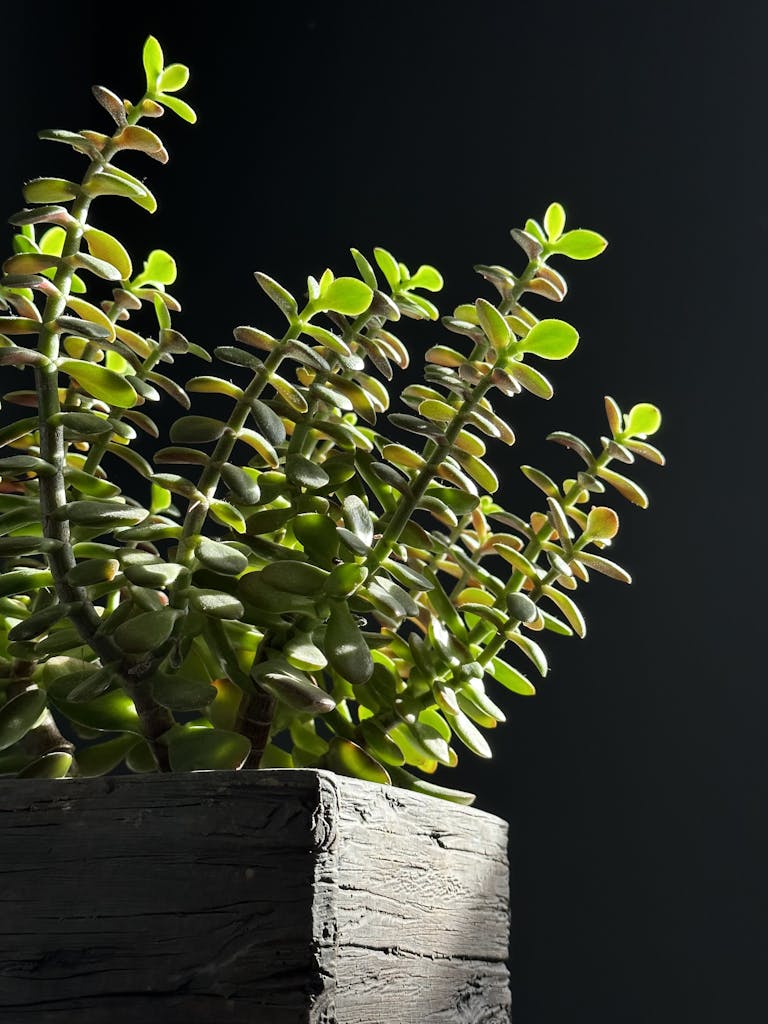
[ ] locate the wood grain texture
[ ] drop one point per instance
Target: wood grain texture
(275, 896)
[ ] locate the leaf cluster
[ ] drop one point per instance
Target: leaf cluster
(291, 582)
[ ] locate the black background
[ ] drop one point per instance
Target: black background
(635, 781)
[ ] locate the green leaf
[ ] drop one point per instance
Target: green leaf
(626, 487)
(294, 577)
(242, 483)
(495, 327)
(521, 607)
(347, 758)
(216, 604)
(152, 58)
(106, 247)
(50, 190)
(345, 295)
(530, 648)
(105, 514)
(426, 277)
(604, 566)
(102, 758)
(289, 685)
(53, 765)
(365, 269)
(404, 779)
(554, 221)
(569, 608)
(145, 632)
(550, 339)
(111, 712)
(181, 694)
(303, 472)
(317, 535)
(268, 422)
(470, 735)
(386, 261)
(530, 379)
(302, 653)
(579, 245)
(20, 581)
(602, 523)
(173, 78)
(358, 519)
(100, 382)
(199, 750)
(196, 429)
(279, 295)
(221, 557)
(345, 646)
(642, 420)
(345, 579)
(179, 107)
(159, 269)
(19, 715)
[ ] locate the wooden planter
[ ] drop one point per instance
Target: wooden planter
(269, 897)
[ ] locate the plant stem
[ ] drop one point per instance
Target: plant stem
(478, 634)
(155, 719)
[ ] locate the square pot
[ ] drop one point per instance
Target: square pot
(278, 896)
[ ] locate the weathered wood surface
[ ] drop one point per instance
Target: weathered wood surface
(269, 897)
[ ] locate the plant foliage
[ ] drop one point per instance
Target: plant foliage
(288, 584)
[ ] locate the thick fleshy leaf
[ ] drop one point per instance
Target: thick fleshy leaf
(470, 735)
(196, 429)
(530, 648)
(317, 535)
(626, 487)
(404, 779)
(345, 646)
(579, 244)
(100, 382)
(604, 566)
(179, 107)
(554, 221)
(302, 653)
(530, 379)
(53, 765)
(550, 339)
(495, 327)
(180, 694)
(426, 277)
(159, 269)
(389, 266)
(111, 712)
(102, 758)
(294, 577)
(642, 420)
(221, 557)
(242, 482)
(345, 295)
(347, 758)
(303, 472)
(289, 685)
(279, 295)
(602, 523)
(216, 603)
(145, 632)
(19, 715)
(358, 519)
(105, 247)
(199, 750)
(152, 57)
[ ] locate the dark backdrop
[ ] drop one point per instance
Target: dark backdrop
(635, 781)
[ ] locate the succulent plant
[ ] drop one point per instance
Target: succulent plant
(287, 585)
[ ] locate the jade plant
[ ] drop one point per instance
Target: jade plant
(304, 587)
